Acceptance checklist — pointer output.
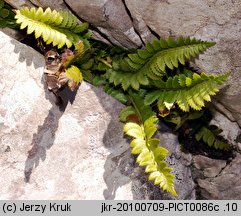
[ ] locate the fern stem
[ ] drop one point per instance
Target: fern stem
(134, 105)
(105, 62)
(139, 116)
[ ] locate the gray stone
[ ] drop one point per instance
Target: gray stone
(210, 167)
(239, 147)
(17, 35)
(226, 185)
(231, 129)
(53, 4)
(139, 22)
(19, 3)
(180, 162)
(47, 153)
(95, 137)
(110, 17)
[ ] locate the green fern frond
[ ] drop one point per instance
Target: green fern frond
(150, 154)
(142, 110)
(151, 62)
(99, 81)
(60, 28)
(186, 91)
(7, 16)
(210, 137)
(116, 93)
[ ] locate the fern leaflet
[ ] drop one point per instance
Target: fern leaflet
(186, 91)
(210, 137)
(116, 93)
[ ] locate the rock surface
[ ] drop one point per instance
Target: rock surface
(53, 4)
(178, 160)
(76, 152)
(226, 185)
(209, 167)
(111, 18)
(51, 154)
(19, 3)
(231, 130)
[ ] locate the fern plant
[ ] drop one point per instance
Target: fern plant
(59, 28)
(150, 154)
(144, 80)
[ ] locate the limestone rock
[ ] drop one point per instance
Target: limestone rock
(17, 35)
(33, 131)
(136, 12)
(231, 129)
(19, 3)
(226, 185)
(53, 4)
(178, 160)
(111, 18)
(210, 167)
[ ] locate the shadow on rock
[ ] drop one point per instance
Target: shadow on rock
(45, 136)
(29, 56)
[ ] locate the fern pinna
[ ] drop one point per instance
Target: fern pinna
(150, 63)
(210, 136)
(60, 28)
(150, 154)
(186, 91)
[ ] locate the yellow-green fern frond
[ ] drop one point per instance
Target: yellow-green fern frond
(186, 91)
(150, 154)
(60, 28)
(151, 62)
